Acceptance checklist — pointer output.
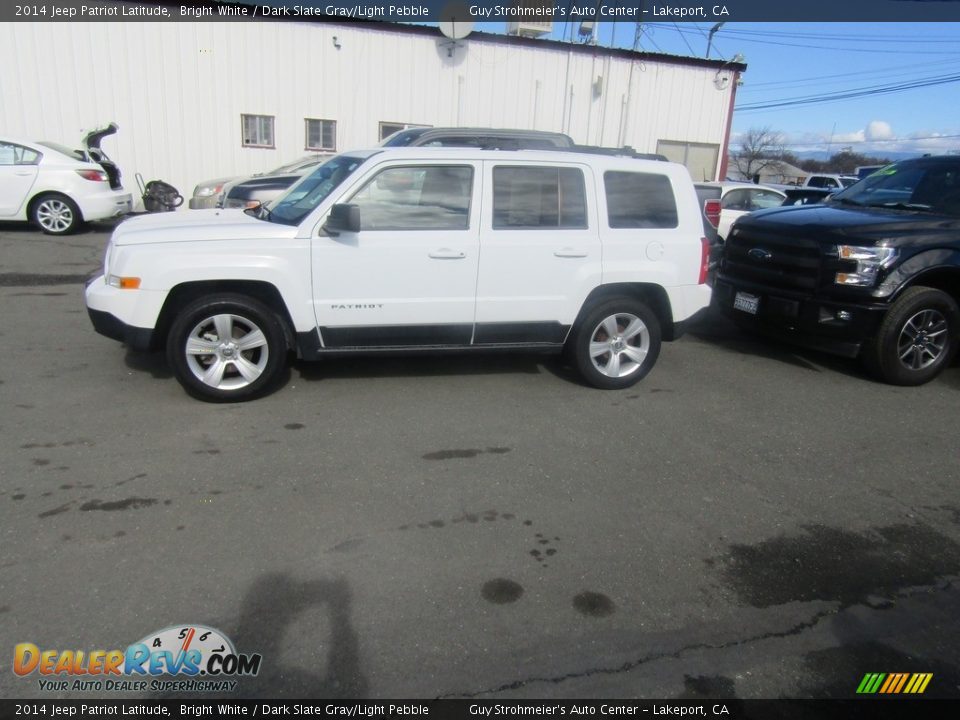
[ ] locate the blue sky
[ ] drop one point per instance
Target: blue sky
(787, 61)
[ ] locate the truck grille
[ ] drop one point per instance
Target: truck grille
(771, 260)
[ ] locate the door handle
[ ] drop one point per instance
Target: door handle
(570, 253)
(24, 174)
(447, 254)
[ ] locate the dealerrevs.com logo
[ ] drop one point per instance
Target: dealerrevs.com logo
(196, 657)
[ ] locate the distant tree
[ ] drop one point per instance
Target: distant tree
(760, 149)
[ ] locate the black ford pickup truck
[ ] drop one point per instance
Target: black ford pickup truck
(874, 272)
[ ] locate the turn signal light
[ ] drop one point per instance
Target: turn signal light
(124, 283)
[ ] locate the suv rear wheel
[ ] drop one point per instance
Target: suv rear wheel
(616, 343)
(226, 348)
(917, 338)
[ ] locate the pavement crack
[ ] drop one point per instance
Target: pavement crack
(633, 664)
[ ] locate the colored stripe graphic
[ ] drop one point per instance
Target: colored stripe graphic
(894, 683)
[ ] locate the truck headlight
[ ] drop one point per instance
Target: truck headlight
(869, 260)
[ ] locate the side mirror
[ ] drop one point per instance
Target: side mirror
(342, 218)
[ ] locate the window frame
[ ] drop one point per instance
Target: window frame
(399, 127)
(273, 131)
(306, 135)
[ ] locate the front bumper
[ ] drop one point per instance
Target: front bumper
(204, 203)
(125, 315)
(114, 328)
(834, 326)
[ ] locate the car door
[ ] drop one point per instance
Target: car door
(409, 276)
(540, 252)
(18, 173)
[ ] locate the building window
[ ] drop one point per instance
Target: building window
(538, 197)
(389, 128)
(321, 134)
(639, 200)
(257, 130)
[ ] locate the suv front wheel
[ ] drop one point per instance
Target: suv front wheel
(226, 348)
(616, 343)
(917, 338)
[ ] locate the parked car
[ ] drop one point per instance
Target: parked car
(59, 188)
(500, 138)
(379, 251)
(261, 189)
(209, 193)
(874, 273)
(739, 198)
(832, 182)
(708, 196)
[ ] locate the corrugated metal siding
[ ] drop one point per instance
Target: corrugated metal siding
(177, 90)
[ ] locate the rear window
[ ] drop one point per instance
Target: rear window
(639, 200)
(538, 197)
(64, 150)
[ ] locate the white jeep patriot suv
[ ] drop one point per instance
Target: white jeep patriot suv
(416, 249)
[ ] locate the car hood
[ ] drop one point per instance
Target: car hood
(92, 139)
(197, 226)
(838, 223)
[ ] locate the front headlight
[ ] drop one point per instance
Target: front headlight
(202, 191)
(869, 261)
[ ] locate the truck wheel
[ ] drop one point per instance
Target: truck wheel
(227, 348)
(616, 343)
(917, 338)
(56, 214)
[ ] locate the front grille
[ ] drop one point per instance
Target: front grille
(779, 262)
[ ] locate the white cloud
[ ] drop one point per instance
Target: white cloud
(878, 130)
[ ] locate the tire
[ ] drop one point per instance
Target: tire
(917, 338)
(245, 367)
(616, 343)
(56, 214)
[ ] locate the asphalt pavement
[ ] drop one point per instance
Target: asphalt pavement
(750, 521)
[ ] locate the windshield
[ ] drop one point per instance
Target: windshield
(303, 197)
(847, 181)
(403, 138)
(909, 185)
(303, 163)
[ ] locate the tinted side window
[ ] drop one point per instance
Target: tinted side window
(538, 197)
(416, 198)
(639, 200)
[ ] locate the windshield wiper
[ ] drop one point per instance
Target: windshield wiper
(845, 201)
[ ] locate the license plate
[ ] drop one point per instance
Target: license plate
(746, 302)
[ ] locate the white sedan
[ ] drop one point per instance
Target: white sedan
(59, 188)
(738, 199)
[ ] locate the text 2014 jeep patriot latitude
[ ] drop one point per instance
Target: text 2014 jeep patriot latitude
(416, 249)
(874, 272)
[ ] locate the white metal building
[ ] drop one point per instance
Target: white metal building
(196, 100)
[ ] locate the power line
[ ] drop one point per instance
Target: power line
(849, 95)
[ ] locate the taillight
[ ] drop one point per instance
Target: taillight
(94, 175)
(711, 209)
(704, 260)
